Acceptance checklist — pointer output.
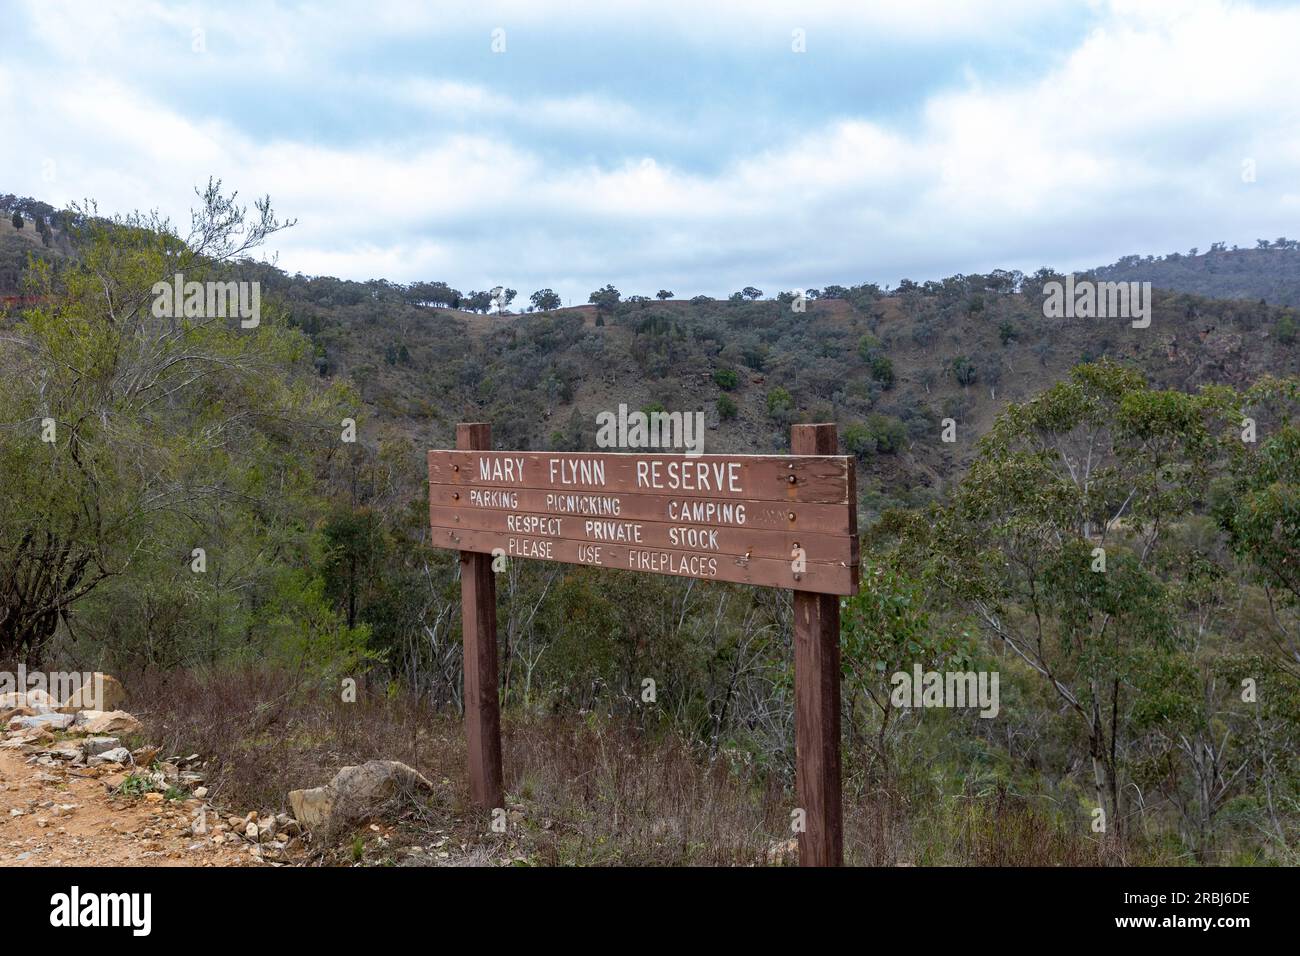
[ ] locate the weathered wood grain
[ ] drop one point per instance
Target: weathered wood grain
(713, 512)
(818, 548)
(817, 698)
(766, 572)
(786, 478)
(478, 592)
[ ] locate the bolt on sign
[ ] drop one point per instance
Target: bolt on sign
(785, 521)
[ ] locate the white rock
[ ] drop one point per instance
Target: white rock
(15, 699)
(112, 722)
(116, 755)
(98, 745)
(64, 750)
(102, 692)
(34, 698)
(49, 721)
(355, 792)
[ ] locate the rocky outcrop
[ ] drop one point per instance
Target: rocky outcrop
(357, 793)
(50, 721)
(110, 722)
(31, 698)
(93, 746)
(102, 692)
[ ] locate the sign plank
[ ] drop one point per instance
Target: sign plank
(822, 548)
(788, 478)
(824, 577)
(714, 512)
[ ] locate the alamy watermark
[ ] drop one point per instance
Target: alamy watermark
(946, 689)
(651, 430)
(75, 908)
(1086, 299)
(208, 300)
(85, 690)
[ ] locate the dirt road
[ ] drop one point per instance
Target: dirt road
(52, 816)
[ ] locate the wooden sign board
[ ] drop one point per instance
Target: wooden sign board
(775, 521)
(786, 521)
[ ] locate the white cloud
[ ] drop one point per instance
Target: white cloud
(459, 101)
(1132, 143)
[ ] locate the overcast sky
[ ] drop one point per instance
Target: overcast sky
(664, 144)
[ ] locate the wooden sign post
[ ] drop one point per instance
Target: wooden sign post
(787, 521)
(817, 694)
(478, 602)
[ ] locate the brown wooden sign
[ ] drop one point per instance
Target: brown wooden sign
(788, 478)
(749, 513)
(665, 514)
(786, 521)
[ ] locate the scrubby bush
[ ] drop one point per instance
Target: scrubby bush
(779, 400)
(858, 440)
(890, 433)
(879, 434)
(869, 347)
(882, 370)
(963, 370)
(726, 379)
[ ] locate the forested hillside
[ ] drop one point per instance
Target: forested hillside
(200, 518)
(887, 367)
(1269, 272)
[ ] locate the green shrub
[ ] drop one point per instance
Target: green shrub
(869, 348)
(889, 433)
(779, 400)
(882, 370)
(858, 440)
(726, 408)
(879, 434)
(726, 379)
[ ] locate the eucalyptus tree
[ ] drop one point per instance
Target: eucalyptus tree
(1052, 540)
(130, 438)
(1258, 504)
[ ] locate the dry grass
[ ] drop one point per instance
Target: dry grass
(582, 790)
(267, 734)
(613, 795)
